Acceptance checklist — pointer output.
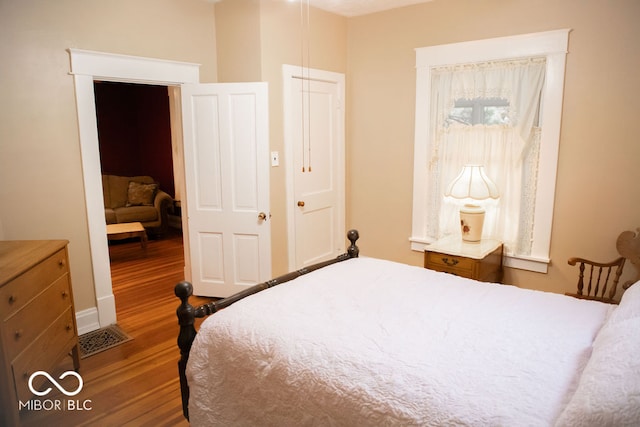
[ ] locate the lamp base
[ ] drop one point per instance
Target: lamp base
(471, 223)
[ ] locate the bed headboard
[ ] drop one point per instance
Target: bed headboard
(187, 313)
(628, 245)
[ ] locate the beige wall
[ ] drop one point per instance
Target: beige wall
(597, 193)
(280, 36)
(238, 41)
(41, 184)
(281, 45)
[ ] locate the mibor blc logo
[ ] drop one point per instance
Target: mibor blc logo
(55, 404)
(55, 383)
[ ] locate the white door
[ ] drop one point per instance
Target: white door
(226, 157)
(314, 114)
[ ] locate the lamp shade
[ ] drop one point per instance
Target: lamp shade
(472, 183)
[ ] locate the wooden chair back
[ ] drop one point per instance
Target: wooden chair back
(599, 281)
(600, 278)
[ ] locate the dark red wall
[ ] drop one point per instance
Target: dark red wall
(134, 131)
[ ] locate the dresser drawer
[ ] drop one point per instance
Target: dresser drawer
(29, 322)
(438, 261)
(43, 353)
(23, 288)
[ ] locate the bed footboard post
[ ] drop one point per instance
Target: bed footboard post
(353, 250)
(186, 319)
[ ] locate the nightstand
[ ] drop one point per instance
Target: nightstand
(480, 261)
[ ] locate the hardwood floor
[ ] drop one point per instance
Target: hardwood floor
(135, 383)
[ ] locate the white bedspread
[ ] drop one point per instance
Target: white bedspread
(372, 342)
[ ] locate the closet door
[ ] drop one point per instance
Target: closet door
(314, 140)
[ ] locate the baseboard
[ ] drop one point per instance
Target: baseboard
(87, 320)
(106, 310)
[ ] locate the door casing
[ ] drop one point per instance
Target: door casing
(87, 66)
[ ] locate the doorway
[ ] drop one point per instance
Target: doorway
(134, 133)
(86, 67)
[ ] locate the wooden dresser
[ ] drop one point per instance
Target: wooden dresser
(37, 319)
(480, 261)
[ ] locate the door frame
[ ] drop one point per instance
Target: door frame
(290, 72)
(87, 66)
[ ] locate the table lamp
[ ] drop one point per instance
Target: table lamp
(472, 183)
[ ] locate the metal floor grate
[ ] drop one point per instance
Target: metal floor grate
(101, 339)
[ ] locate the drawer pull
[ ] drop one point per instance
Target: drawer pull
(68, 327)
(450, 262)
(12, 299)
(64, 294)
(18, 333)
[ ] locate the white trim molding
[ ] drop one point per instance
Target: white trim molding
(87, 320)
(132, 69)
(87, 66)
(552, 45)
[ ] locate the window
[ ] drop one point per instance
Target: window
(471, 123)
(484, 111)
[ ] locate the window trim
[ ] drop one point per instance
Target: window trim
(550, 44)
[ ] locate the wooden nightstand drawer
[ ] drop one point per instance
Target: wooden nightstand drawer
(26, 286)
(479, 261)
(444, 261)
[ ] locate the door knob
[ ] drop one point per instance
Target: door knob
(262, 216)
(301, 203)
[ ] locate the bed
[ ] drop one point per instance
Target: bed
(363, 341)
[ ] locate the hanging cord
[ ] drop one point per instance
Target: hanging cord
(309, 80)
(302, 87)
(305, 35)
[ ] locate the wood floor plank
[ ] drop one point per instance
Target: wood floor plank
(135, 383)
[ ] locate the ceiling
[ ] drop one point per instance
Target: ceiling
(360, 7)
(353, 7)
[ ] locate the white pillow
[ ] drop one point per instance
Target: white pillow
(608, 393)
(629, 307)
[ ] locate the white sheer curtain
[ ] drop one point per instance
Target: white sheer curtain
(508, 151)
